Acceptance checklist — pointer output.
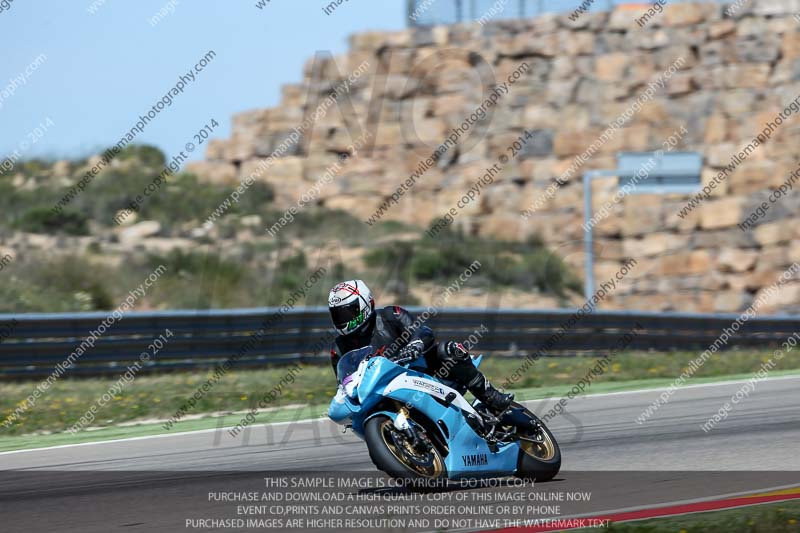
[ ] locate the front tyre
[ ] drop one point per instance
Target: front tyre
(539, 454)
(393, 452)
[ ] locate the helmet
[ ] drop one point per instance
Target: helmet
(351, 305)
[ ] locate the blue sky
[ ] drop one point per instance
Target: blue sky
(103, 70)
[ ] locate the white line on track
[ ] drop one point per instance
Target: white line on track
(656, 389)
(306, 420)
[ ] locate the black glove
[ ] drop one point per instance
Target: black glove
(411, 351)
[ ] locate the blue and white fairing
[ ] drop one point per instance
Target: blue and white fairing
(366, 382)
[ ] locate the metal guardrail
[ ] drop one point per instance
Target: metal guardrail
(36, 343)
(435, 12)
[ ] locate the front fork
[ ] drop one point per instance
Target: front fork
(404, 424)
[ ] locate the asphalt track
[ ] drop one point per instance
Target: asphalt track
(153, 484)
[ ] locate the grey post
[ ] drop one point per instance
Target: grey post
(673, 173)
(588, 233)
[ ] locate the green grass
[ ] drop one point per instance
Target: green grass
(147, 429)
(633, 366)
(523, 265)
(157, 397)
(781, 517)
(180, 200)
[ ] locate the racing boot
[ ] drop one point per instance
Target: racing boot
(460, 368)
(496, 401)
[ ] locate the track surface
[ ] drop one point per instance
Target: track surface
(762, 433)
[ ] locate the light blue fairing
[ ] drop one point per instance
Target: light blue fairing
(469, 454)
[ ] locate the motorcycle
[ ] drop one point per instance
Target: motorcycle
(419, 427)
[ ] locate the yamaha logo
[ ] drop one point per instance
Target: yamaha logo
(477, 459)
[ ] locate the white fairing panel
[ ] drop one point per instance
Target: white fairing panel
(430, 387)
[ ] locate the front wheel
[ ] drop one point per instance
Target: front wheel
(394, 452)
(539, 454)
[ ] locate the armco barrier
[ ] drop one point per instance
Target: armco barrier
(34, 343)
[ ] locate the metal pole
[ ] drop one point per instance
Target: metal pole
(588, 229)
(459, 11)
(588, 283)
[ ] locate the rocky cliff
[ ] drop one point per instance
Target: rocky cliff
(363, 126)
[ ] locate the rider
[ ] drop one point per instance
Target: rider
(392, 333)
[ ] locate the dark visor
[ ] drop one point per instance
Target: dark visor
(342, 314)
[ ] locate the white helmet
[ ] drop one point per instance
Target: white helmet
(350, 304)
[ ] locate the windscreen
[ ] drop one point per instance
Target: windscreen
(350, 361)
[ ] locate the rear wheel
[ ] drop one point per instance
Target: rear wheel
(539, 454)
(394, 452)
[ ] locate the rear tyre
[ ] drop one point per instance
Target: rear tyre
(539, 455)
(392, 452)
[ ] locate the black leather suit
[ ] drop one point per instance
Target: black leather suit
(389, 329)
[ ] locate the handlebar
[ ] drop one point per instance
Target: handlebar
(403, 360)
